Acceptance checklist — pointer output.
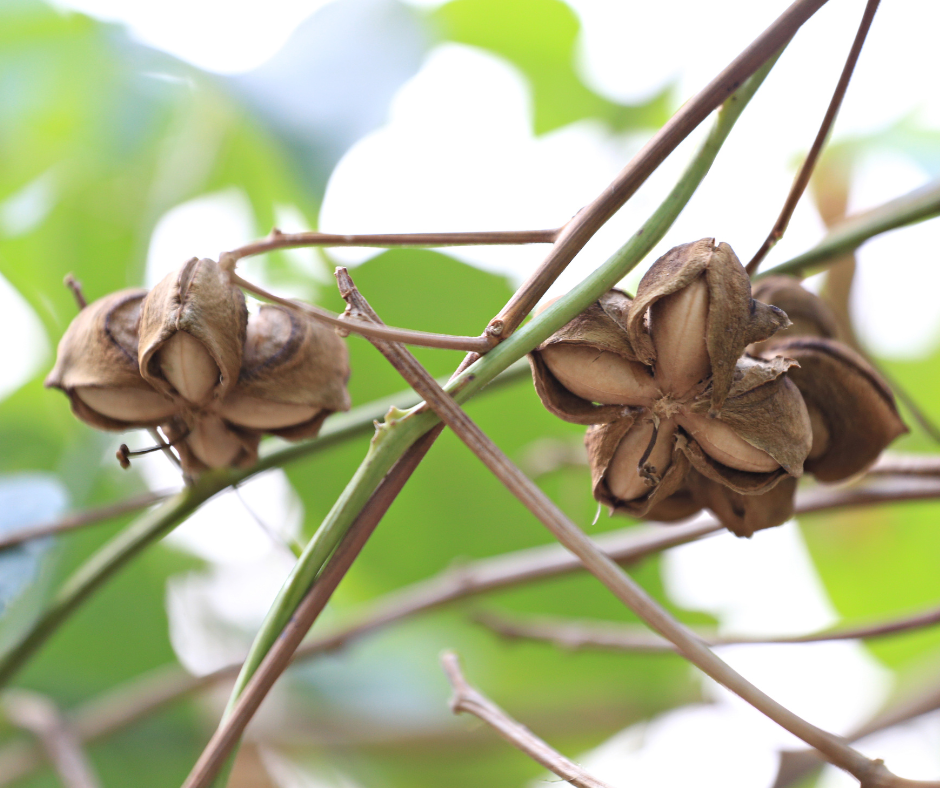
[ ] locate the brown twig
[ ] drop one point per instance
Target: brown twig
(278, 240)
(472, 701)
(94, 516)
(892, 464)
(590, 219)
(121, 706)
(76, 287)
(797, 764)
(422, 338)
(868, 772)
(40, 716)
(624, 637)
(281, 653)
(806, 170)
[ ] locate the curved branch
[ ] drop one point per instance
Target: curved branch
(591, 218)
(612, 636)
(806, 170)
(278, 240)
(472, 701)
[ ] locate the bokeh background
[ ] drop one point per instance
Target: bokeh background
(134, 135)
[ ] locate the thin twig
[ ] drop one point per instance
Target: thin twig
(590, 219)
(895, 464)
(472, 701)
(915, 206)
(868, 772)
(276, 661)
(422, 338)
(93, 516)
(39, 715)
(279, 240)
(165, 448)
(806, 170)
(612, 636)
(76, 287)
(120, 707)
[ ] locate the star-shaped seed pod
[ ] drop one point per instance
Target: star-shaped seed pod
(187, 357)
(662, 380)
(851, 407)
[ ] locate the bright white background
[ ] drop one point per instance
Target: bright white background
(457, 152)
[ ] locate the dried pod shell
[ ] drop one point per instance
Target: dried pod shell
(198, 300)
(294, 373)
(765, 410)
(729, 318)
(809, 314)
(210, 443)
(744, 514)
(602, 442)
(96, 366)
(593, 356)
(849, 398)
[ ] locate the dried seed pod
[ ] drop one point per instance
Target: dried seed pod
(744, 514)
(615, 466)
(727, 317)
(809, 314)
(853, 408)
(207, 442)
(293, 375)
(192, 331)
(96, 366)
(590, 361)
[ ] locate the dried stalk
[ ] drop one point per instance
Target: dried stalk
(868, 772)
(94, 516)
(39, 715)
(279, 240)
(422, 338)
(590, 219)
(275, 662)
(472, 701)
(611, 636)
(151, 692)
(806, 170)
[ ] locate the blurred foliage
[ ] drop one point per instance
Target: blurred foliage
(102, 136)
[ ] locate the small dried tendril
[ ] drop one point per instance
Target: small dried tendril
(124, 454)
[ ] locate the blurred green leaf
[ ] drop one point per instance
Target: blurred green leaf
(538, 37)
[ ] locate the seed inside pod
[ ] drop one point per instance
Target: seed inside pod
(623, 475)
(599, 375)
(187, 365)
(214, 443)
(821, 435)
(126, 404)
(723, 444)
(260, 414)
(677, 325)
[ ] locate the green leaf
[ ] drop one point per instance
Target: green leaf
(538, 37)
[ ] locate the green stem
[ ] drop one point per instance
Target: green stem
(154, 525)
(916, 206)
(394, 437)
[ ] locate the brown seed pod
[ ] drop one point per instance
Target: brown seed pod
(744, 514)
(693, 292)
(206, 442)
(96, 366)
(192, 331)
(293, 375)
(851, 406)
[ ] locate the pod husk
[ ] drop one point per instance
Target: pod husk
(99, 350)
(766, 410)
(178, 427)
(855, 402)
(734, 319)
(601, 442)
(600, 326)
(743, 515)
(200, 300)
(291, 359)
